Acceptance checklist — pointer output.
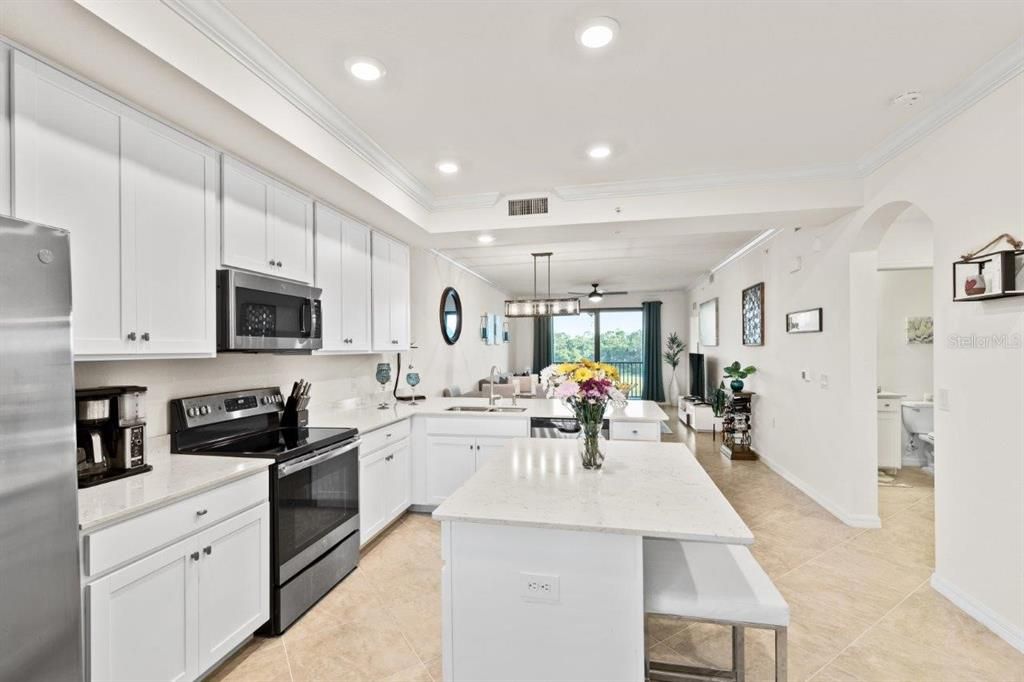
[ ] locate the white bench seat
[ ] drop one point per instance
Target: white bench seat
(717, 583)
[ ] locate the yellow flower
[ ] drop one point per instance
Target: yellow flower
(566, 368)
(582, 374)
(609, 370)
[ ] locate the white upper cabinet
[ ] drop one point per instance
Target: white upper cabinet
(268, 226)
(139, 199)
(390, 270)
(343, 273)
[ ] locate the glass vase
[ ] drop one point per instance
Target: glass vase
(591, 444)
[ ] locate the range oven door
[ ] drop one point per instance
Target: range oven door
(317, 506)
(257, 313)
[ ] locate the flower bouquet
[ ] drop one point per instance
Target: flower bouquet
(586, 387)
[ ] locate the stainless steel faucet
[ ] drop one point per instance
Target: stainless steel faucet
(493, 399)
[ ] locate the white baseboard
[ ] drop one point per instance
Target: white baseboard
(1014, 636)
(854, 520)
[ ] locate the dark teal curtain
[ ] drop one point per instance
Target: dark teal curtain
(543, 342)
(654, 387)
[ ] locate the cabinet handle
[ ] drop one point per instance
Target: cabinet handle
(208, 550)
(478, 447)
(271, 261)
(195, 556)
(279, 263)
(389, 435)
(131, 336)
(201, 512)
(145, 336)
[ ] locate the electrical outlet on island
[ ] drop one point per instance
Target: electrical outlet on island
(538, 587)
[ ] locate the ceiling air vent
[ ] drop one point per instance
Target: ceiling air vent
(528, 206)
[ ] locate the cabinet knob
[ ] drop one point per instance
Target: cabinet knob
(145, 336)
(208, 550)
(131, 336)
(201, 512)
(279, 263)
(271, 261)
(195, 556)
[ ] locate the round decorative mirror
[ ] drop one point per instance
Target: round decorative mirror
(451, 316)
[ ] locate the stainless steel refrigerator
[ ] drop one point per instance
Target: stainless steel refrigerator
(40, 611)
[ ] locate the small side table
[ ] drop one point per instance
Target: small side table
(737, 426)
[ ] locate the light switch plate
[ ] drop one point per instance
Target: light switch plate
(824, 380)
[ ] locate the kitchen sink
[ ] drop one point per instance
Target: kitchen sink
(484, 408)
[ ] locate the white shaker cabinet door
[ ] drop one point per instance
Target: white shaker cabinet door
(381, 274)
(66, 173)
(400, 311)
(141, 619)
(233, 583)
(373, 484)
(355, 285)
(399, 479)
(450, 462)
(487, 447)
(247, 203)
(170, 209)
(329, 277)
(292, 234)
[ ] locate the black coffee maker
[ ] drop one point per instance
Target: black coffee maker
(111, 429)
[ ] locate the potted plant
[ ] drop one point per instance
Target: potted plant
(738, 374)
(673, 349)
(717, 402)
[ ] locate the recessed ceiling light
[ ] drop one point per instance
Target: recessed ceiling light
(448, 167)
(597, 32)
(908, 99)
(599, 151)
(365, 68)
(485, 238)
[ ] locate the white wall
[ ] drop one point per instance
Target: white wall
(675, 306)
(908, 243)
(968, 179)
(904, 367)
(470, 358)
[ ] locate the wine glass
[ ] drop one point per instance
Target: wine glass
(412, 378)
(383, 377)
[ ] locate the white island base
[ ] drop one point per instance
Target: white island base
(543, 561)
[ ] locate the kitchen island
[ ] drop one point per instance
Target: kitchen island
(543, 574)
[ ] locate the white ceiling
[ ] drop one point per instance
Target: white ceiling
(688, 88)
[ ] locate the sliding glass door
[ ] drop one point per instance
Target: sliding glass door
(613, 335)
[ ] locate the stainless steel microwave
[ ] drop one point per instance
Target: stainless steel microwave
(259, 314)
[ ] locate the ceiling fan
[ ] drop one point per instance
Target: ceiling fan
(595, 295)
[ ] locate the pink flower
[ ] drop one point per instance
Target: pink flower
(567, 390)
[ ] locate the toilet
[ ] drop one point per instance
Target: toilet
(919, 434)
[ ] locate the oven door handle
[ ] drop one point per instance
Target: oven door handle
(314, 459)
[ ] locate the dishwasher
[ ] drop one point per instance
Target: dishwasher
(549, 427)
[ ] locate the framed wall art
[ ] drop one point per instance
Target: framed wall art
(752, 311)
(707, 322)
(804, 321)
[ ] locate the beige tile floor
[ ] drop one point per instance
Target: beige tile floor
(860, 602)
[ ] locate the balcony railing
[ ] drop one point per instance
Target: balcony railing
(631, 373)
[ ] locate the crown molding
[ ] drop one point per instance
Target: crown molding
(462, 202)
(225, 30)
(696, 183)
(1006, 65)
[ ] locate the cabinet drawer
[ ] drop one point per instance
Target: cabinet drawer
(479, 426)
(635, 431)
(114, 545)
(888, 405)
(386, 435)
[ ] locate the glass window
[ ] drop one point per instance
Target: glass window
(614, 336)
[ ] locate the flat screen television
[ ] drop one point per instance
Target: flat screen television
(698, 387)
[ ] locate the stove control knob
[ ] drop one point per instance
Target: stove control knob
(264, 400)
(205, 409)
(191, 412)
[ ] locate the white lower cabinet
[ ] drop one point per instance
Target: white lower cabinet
(175, 613)
(385, 486)
(450, 461)
(889, 426)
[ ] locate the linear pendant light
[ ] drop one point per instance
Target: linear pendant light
(542, 307)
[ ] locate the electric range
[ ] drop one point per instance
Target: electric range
(314, 488)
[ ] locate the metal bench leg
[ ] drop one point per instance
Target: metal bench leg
(780, 655)
(739, 664)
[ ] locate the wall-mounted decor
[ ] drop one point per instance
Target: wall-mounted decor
(450, 313)
(707, 322)
(984, 274)
(486, 329)
(506, 335)
(752, 310)
(497, 329)
(920, 330)
(804, 321)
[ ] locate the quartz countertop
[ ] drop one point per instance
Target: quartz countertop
(370, 418)
(173, 477)
(648, 489)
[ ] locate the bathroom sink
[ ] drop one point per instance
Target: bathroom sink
(469, 408)
(506, 409)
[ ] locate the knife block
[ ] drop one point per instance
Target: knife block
(295, 413)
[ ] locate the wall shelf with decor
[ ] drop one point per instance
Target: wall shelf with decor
(980, 276)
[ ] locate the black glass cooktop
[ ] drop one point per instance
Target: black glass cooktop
(278, 443)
